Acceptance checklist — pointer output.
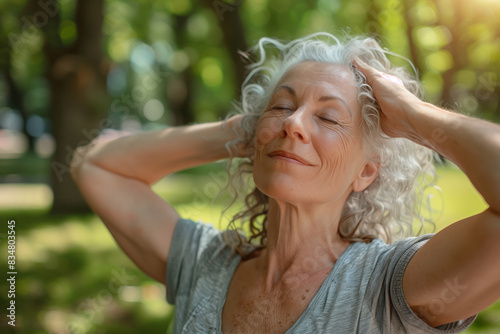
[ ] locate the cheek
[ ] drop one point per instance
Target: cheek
(338, 155)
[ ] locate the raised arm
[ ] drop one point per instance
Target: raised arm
(456, 274)
(115, 178)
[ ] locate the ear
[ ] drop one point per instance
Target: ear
(366, 176)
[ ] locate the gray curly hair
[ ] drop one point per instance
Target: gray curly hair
(389, 208)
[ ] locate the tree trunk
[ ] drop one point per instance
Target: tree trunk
(414, 54)
(233, 33)
(455, 48)
(78, 99)
(179, 87)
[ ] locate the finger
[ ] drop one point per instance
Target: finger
(364, 67)
(368, 71)
(392, 78)
(373, 74)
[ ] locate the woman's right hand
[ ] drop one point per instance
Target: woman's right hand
(234, 126)
(116, 177)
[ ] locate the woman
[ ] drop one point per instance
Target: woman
(336, 140)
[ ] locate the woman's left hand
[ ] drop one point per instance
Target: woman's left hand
(394, 100)
(467, 251)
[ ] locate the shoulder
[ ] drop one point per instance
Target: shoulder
(200, 239)
(359, 294)
(404, 249)
(372, 266)
(198, 250)
(378, 251)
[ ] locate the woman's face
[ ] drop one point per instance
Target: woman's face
(309, 139)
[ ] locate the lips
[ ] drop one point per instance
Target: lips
(289, 155)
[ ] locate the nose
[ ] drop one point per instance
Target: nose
(296, 126)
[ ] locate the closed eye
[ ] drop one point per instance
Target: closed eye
(281, 108)
(328, 120)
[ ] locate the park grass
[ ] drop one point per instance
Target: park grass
(67, 264)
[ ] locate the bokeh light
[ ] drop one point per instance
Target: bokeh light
(178, 7)
(35, 126)
(179, 61)
(198, 26)
(163, 51)
(116, 81)
(153, 110)
(68, 32)
(433, 38)
(211, 73)
(439, 61)
(45, 145)
(11, 119)
(142, 57)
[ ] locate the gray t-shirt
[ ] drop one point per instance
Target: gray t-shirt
(362, 294)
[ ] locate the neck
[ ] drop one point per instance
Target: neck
(302, 242)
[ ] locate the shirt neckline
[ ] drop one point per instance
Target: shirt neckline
(313, 302)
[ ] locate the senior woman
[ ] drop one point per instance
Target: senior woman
(336, 140)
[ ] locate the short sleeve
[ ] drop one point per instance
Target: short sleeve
(189, 242)
(411, 322)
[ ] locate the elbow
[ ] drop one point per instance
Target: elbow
(77, 161)
(75, 174)
(76, 171)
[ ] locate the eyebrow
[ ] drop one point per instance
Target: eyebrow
(288, 88)
(321, 99)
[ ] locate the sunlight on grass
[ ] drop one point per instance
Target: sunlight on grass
(25, 196)
(35, 245)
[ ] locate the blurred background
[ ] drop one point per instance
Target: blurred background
(74, 69)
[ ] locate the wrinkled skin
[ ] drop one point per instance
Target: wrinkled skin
(313, 114)
(326, 132)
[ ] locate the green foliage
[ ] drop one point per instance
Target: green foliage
(443, 41)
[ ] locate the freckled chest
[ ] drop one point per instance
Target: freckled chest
(248, 309)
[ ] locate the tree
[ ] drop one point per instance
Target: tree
(78, 95)
(233, 33)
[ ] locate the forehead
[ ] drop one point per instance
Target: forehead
(326, 76)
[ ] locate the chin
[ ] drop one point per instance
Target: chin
(278, 186)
